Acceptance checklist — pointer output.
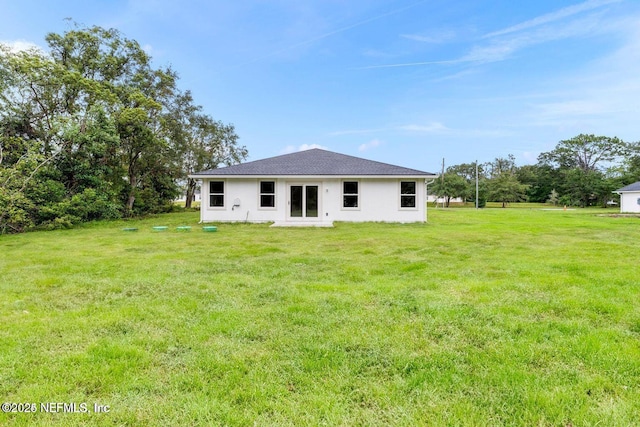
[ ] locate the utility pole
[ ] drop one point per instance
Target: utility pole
(441, 184)
(476, 184)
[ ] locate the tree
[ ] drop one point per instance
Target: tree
(585, 152)
(203, 142)
(500, 166)
(139, 97)
(91, 130)
(450, 185)
(582, 186)
(541, 181)
(581, 164)
(460, 181)
(503, 184)
(19, 163)
(506, 188)
(631, 165)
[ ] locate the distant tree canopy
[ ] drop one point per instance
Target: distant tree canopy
(586, 169)
(90, 130)
(581, 171)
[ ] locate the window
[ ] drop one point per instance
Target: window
(350, 194)
(407, 194)
(267, 194)
(216, 194)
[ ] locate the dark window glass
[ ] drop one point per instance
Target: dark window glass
(216, 187)
(407, 194)
(312, 201)
(408, 187)
(408, 201)
(216, 193)
(216, 200)
(267, 201)
(267, 194)
(267, 187)
(350, 194)
(350, 201)
(350, 187)
(296, 201)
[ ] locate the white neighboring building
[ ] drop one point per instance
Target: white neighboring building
(313, 188)
(630, 198)
(432, 198)
(182, 198)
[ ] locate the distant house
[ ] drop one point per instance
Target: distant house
(432, 198)
(630, 197)
(196, 197)
(315, 188)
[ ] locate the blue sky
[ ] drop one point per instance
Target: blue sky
(407, 82)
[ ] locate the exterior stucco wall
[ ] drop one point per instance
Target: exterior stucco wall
(378, 200)
(629, 202)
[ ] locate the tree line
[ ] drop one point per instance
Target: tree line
(91, 130)
(581, 171)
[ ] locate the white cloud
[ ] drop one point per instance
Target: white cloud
(553, 16)
(320, 37)
(432, 127)
(20, 45)
(407, 64)
(602, 97)
(292, 148)
(440, 129)
(304, 147)
(572, 108)
(371, 144)
(501, 48)
(529, 158)
(357, 131)
(374, 53)
(434, 38)
(504, 43)
(436, 128)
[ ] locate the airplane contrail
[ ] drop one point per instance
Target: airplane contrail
(334, 32)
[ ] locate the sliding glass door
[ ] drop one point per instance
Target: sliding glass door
(304, 201)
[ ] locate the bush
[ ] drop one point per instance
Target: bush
(89, 206)
(15, 212)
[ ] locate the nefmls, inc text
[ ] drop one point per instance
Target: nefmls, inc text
(76, 408)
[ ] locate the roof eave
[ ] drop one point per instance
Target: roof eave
(208, 176)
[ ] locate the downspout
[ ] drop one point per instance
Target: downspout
(201, 199)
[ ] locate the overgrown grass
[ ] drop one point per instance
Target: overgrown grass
(491, 317)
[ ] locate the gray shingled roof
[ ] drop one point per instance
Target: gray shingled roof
(314, 162)
(631, 187)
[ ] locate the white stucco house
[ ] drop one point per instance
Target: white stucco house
(630, 198)
(313, 188)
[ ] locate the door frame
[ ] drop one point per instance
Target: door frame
(304, 185)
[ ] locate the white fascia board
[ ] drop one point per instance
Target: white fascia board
(314, 176)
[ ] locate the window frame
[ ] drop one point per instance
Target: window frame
(261, 193)
(343, 195)
(223, 194)
(402, 195)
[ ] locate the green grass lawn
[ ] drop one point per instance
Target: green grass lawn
(493, 317)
